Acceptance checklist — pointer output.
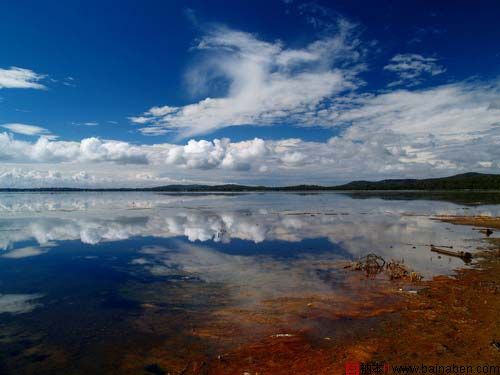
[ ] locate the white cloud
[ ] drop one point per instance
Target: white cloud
(411, 68)
(434, 131)
(194, 155)
(26, 129)
(219, 153)
(20, 78)
(84, 175)
(87, 150)
(454, 112)
(266, 82)
(395, 134)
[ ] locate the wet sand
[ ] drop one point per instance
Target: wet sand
(477, 221)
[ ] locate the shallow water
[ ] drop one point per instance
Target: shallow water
(115, 282)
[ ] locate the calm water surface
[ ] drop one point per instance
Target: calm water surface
(115, 282)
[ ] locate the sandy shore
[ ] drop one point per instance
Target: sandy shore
(477, 221)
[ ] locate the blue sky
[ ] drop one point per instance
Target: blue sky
(275, 92)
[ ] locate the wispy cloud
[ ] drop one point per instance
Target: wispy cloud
(86, 123)
(26, 129)
(19, 78)
(25, 252)
(412, 68)
(266, 82)
(454, 112)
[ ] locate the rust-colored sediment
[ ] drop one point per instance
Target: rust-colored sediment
(451, 320)
(478, 221)
(314, 331)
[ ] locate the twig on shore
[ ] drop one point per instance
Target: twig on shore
(464, 255)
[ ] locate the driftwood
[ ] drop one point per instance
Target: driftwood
(464, 255)
(487, 231)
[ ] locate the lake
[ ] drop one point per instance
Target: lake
(149, 282)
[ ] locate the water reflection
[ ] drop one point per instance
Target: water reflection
(18, 303)
(354, 228)
(198, 271)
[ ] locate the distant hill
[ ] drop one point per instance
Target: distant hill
(237, 188)
(466, 181)
(202, 188)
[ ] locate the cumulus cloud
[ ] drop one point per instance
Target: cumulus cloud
(219, 153)
(200, 154)
(266, 82)
(257, 155)
(392, 134)
(19, 78)
(87, 150)
(411, 68)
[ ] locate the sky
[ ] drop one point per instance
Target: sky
(133, 94)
